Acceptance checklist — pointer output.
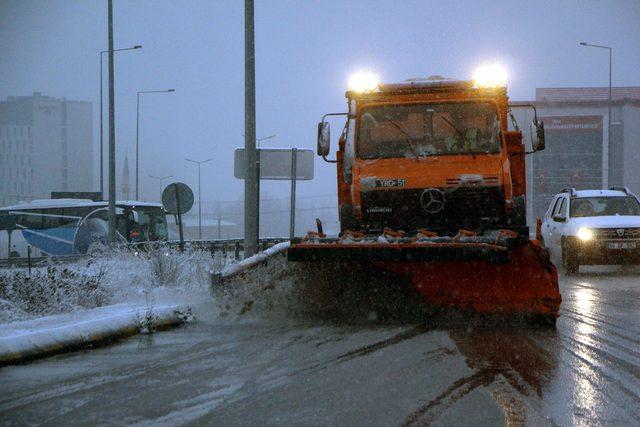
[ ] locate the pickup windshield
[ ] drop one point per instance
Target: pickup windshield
(416, 130)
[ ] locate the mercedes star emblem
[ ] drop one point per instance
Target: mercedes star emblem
(432, 200)
(620, 232)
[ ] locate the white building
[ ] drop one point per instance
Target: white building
(46, 145)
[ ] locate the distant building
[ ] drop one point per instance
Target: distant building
(46, 145)
(579, 151)
(125, 188)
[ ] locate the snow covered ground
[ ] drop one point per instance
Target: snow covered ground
(63, 305)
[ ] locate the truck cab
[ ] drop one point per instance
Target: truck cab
(430, 154)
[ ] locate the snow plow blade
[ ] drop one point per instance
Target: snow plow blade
(320, 252)
(507, 275)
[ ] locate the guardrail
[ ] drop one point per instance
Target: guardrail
(224, 246)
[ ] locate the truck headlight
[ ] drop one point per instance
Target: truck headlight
(363, 81)
(585, 234)
(490, 75)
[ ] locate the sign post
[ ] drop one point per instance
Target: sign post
(177, 193)
(294, 173)
(177, 199)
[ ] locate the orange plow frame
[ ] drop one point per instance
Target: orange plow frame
(475, 277)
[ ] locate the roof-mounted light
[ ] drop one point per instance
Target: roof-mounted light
(490, 75)
(363, 81)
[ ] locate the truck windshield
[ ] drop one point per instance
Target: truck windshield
(415, 130)
(604, 206)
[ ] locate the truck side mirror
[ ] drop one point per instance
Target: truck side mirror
(324, 139)
(537, 135)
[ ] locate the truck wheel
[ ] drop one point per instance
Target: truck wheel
(570, 261)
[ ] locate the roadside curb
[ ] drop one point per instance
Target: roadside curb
(104, 328)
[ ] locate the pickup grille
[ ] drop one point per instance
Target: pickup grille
(612, 233)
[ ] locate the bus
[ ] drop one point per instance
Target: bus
(59, 227)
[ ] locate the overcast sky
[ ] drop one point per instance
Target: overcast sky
(305, 52)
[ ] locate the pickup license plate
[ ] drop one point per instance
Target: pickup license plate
(621, 245)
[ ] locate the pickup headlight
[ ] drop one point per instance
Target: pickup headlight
(585, 234)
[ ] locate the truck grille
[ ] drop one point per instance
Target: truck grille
(612, 233)
(487, 180)
(402, 208)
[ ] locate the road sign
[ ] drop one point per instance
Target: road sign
(177, 198)
(275, 163)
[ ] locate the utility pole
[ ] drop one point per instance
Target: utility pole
(112, 136)
(609, 117)
(251, 196)
(199, 195)
(258, 173)
(102, 52)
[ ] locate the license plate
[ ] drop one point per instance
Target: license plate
(621, 245)
(385, 183)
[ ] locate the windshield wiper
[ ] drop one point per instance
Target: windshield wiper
(458, 132)
(409, 139)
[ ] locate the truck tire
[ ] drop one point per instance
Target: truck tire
(570, 260)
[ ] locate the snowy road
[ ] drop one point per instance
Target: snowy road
(585, 371)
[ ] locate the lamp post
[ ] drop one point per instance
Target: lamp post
(609, 113)
(138, 128)
(101, 132)
(258, 141)
(251, 197)
(160, 179)
(199, 162)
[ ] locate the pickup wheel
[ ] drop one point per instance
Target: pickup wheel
(570, 261)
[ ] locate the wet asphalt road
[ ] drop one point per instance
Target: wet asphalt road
(255, 371)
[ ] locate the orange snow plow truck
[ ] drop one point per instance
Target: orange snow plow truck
(431, 188)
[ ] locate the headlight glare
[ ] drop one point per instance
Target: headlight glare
(585, 234)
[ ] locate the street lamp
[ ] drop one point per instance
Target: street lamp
(258, 141)
(101, 132)
(160, 179)
(199, 162)
(257, 209)
(609, 117)
(138, 126)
